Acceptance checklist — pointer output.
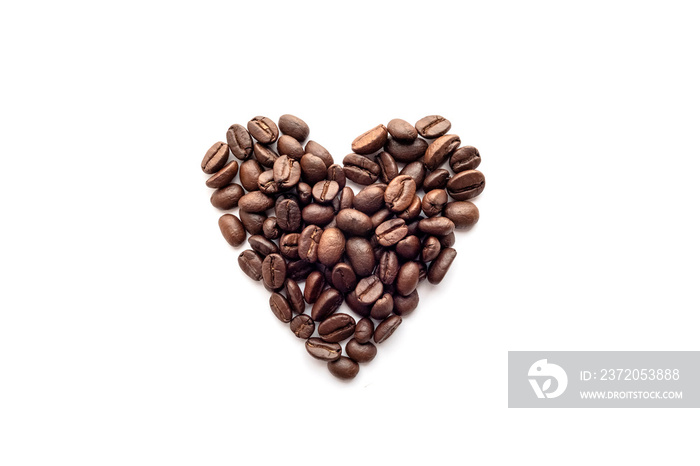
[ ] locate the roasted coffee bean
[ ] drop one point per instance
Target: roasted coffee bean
(466, 185)
(280, 307)
(274, 271)
(215, 158)
(344, 368)
(331, 247)
(412, 226)
(336, 173)
(288, 215)
(439, 267)
(304, 193)
(239, 141)
(440, 149)
(347, 196)
(343, 277)
(316, 214)
(360, 169)
(391, 232)
(380, 217)
(415, 170)
(370, 141)
(409, 247)
(299, 270)
(422, 271)
(295, 296)
(434, 201)
(361, 256)
(360, 352)
(399, 193)
(406, 152)
(294, 127)
(250, 263)
(313, 168)
(232, 229)
(309, 240)
(287, 171)
(438, 226)
(314, 286)
(402, 130)
(465, 158)
(357, 307)
(404, 305)
(227, 197)
(364, 330)
(249, 174)
(464, 214)
(388, 267)
(325, 191)
(255, 202)
(388, 170)
(270, 230)
(431, 249)
(354, 223)
(287, 145)
(224, 176)
(436, 180)
(327, 303)
(264, 155)
(369, 290)
(370, 199)
(412, 211)
(336, 328)
(382, 308)
(267, 183)
(407, 279)
(253, 222)
(302, 326)
(263, 129)
(262, 245)
(447, 241)
(386, 328)
(322, 350)
(289, 245)
(312, 147)
(433, 126)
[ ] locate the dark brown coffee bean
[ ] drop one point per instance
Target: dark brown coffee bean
(439, 267)
(267, 183)
(299, 270)
(343, 277)
(385, 329)
(239, 141)
(322, 350)
(402, 130)
(255, 202)
(360, 352)
(314, 286)
(249, 174)
(370, 141)
(344, 368)
(294, 127)
(382, 308)
(357, 307)
(431, 249)
(380, 217)
(438, 226)
(224, 176)
(270, 229)
(370, 199)
(289, 245)
(227, 197)
(447, 241)
(232, 229)
(336, 173)
(406, 152)
(388, 170)
(408, 248)
(407, 279)
(360, 169)
(464, 214)
(252, 222)
(436, 180)
(465, 158)
(312, 147)
(391, 232)
(388, 267)
(336, 328)
(434, 201)
(440, 149)
(361, 256)
(415, 170)
(304, 193)
(433, 126)
(264, 155)
(466, 185)
(263, 129)
(295, 296)
(364, 330)
(302, 326)
(404, 305)
(316, 214)
(369, 290)
(325, 191)
(215, 158)
(274, 271)
(354, 223)
(412, 211)
(280, 307)
(250, 263)
(288, 215)
(287, 145)
(262, 245)
(308, 243)
(331, 247)
(287, 171)
(399, 193)
(313, 168)
(327, 303)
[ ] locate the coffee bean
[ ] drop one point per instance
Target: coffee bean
(386, 328)
(436, 180)
(357, 307)
(270, 230)
(255, 202)
(415, 170)
(280, 307)
(439, 267)
(360, 352)
(294, 127)
(431, 249)
(406, 152)
(331, 247)
(364, 330)
(399, 193)
(438, 226)
(224, 176)
(239, 141)
(314, 286)
(344, 368)
(304, 193)
(361, 256)
(407, 279)
(433, 126)
(227, 197)
(302, 326)
(322, 350)
(317, 214)
(289, 245)
(325, 191)
(263, 129)
(295, 296)
(413, 210)
(312, 147)
(404, 305)
(215, 158)
(343, 277)
(354, 223)
(274, 271)
(262, 245)
(336, 328)
(267, 183)
(299, 270)
(434, 201)
(369, 290)
(250, 263)
(412, 226)
(391, 232)
(402, 130)
(253, 222)
(440, 149)
(232, 229)
(370, 141)
(466, 185)
(447, 241)
(308, 243)
(327, 303)
(287, 145)
(288, 215)
(465, 158)
(382, 308)
(370, 199)
(388, 170)
(287, 171)
(264, 155)
(249, 174)
(380, 217)
(336, 173)
(388, 267)
(464, 214)
(409, 247)
(313, 169)
(360, 169)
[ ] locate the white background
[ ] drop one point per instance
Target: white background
(128, 334)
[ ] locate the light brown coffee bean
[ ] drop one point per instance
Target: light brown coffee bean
(370, 141)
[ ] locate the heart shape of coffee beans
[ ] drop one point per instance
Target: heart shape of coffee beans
(369, 249)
